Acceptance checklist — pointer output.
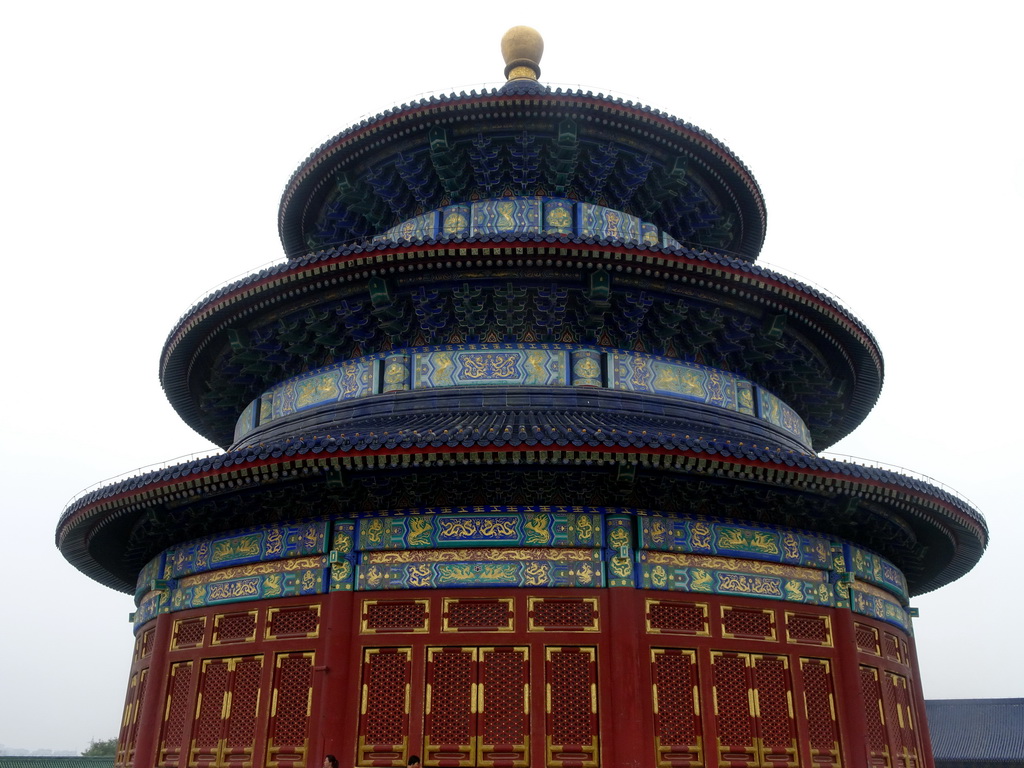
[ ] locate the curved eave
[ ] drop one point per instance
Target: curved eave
(946, 516)
(741, 280)
(307, 187)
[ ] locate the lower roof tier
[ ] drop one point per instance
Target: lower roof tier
(932, 536)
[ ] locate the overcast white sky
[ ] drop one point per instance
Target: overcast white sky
(145, 146)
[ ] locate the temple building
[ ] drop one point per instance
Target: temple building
(521, 468)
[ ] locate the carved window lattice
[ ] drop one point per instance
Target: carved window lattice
(393, 615)
(677, 717)
(147, 643)
(213, 685)
(808, 629)
(563, 614)
(504, 701)
(478, 614)
(570, 678)
(892, 647)
(245, 700)
(235, 627)
(178, 711)
(298, 622)
(775, 726)
(741, 622)
(291, 696)
(732, 699)
(188, 633)
(819, 703)
(294, 622)
(688, 618)
(871, 697)
(867, 638)
(451, 696)
(384, 685)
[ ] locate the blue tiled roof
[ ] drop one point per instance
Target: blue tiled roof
(976, 730)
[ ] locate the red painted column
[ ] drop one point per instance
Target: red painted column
(338, 699)
(849, 706)
(156, 693)
(628, 709)
(923, 734)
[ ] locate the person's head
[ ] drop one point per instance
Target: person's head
(413, 760)
(330, 761)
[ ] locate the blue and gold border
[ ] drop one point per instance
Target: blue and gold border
(534, 365)
(521, 547)
(535, 215)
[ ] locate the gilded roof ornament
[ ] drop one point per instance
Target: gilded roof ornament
(522, 48)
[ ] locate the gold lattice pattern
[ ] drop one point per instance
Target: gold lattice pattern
(892, 647)
(178, 708)
(245, 700)
(504, 709)
(563, 614)
(213, 685)
(451, 696)
(478, 614)
(867, 638)
(294, 622)
(688, 618)
(234, 627)
(732, 699)
(808, 629)
(771, 677)
(821, 725)
(675, 678)
(188, 633)
(386, 676)
(871, 696)
(741, 622)
(570, 698)
(395, 615)
(292, 698)
(126, 746)
(901, 721)
(147, 643)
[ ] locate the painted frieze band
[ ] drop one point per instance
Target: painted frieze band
(534, 365)
(529, 215)
(521, 547)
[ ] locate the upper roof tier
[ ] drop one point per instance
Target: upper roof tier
(521, 140)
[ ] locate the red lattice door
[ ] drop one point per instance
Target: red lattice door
(676, 708)
(384, 712)
(753, 710)
(290, 709)
(129, 734)
(903, 734)
(570, 682)
(224, 730)
(476, 709)
(820, 710)
(874, 718)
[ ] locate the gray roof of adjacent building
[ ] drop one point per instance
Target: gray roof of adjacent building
(977, 730)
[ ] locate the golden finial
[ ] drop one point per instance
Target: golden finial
(522, 47)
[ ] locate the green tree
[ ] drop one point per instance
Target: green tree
(101, 748)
